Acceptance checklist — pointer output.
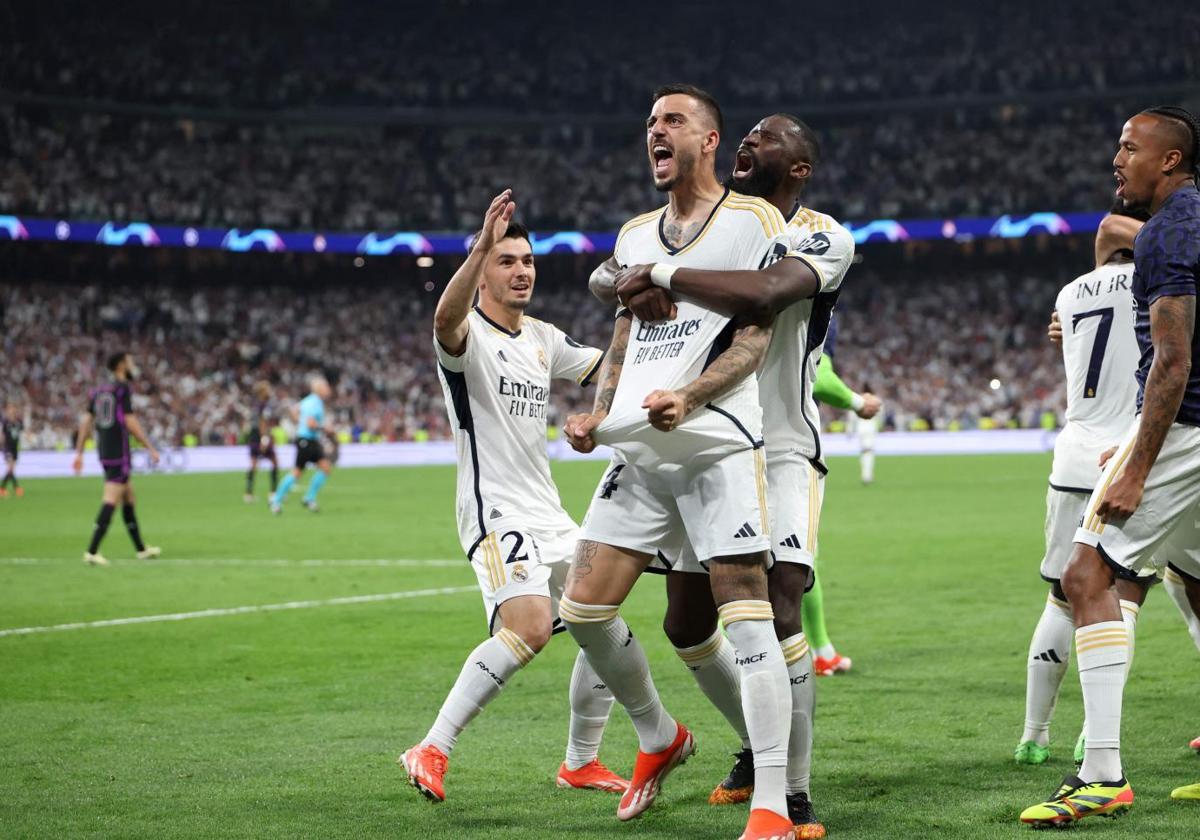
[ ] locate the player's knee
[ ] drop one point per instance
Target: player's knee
(788, 582)
(742, 578)
(787, 619)
(537, 637)
(1131, 590)
(684, 630)
(1085, 576)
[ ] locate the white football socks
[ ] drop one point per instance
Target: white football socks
(619, 660)
(799, 662)
(766, 697)
(1129, 615)
(487, 670)
(591, 702)
(867, 462)
(715, 671)
(1049, 653)
(1102, 653)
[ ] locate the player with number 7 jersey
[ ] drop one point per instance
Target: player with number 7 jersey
(1100, 355)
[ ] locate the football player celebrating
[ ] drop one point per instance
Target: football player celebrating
(496, 365)
(1153, 481)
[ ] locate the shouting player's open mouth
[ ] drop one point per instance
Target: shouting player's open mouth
(1120, 184)
(661, 155)
(743, 163)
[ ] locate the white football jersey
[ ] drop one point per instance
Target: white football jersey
(497, 394)
(1101, 355)
(741, 234)
(791, 422)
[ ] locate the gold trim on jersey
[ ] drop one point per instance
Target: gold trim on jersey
(814, 511)
(760, 478)
(796, 255)
(768, 214)
(819, 222)
(636, 222)
(491, 560)
(1093, 519)
(592, 369)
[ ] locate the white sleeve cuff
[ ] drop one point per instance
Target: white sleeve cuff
(661, 273)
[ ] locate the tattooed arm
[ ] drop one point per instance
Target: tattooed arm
(670, 408)
(579, 427)
(1172, 322)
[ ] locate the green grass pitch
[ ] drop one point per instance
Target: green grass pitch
(288, 723)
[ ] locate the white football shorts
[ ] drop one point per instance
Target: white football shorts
(513, 560)
(719, 507)
(1172, 492)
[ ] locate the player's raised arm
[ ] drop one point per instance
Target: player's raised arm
(579, 427)
(1116, 233)
(754, 294)
(450, 317)
(667, 409)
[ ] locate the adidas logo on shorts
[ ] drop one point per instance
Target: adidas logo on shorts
(745, 531)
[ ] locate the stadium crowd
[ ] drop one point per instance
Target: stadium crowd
(201, 344)
(908, 164)
(398, 55)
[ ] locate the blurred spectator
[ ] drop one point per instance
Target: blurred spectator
(585, 56)
(928, 332)
(967, 161)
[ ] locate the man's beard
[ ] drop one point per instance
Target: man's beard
(761, 183)
(684, 164)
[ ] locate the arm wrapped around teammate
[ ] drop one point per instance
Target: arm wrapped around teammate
(667, 409)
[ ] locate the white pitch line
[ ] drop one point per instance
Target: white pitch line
(237, 561)
(218, 613)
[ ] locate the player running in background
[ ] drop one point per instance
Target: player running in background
(496, 366)
(10, 430)
(774, 161)
(310, 425)
(262, 444)
(703, 482)
(1100, 355)
(110, 413)
(1152, 483)
(829, 388)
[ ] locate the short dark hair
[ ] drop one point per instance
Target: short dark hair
(812, 147)
(515, 230)
(1187, 129)
(706, 100)
(114, 361)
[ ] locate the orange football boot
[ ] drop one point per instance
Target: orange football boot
(426, 768)
(651, 769)
(591, 776)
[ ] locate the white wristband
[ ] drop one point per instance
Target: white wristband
(661, 275)
(857, 402)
